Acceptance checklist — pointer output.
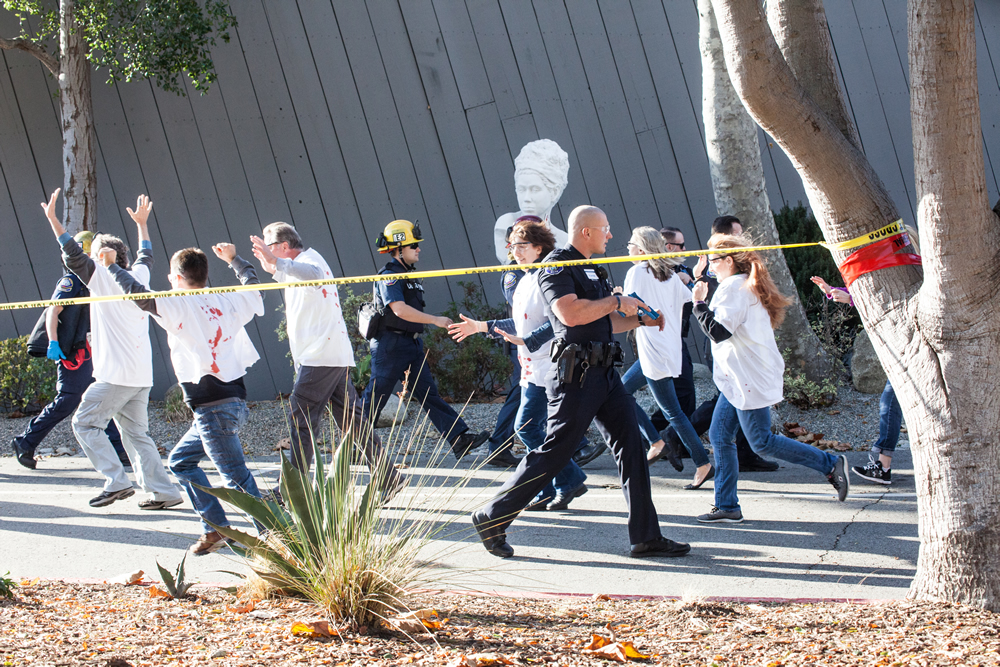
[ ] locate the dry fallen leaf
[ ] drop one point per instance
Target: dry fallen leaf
(619, 651)
(243, 608)
(128, 578)
(480, 660)
(313, 629)
(417, 620)
(155, 592)
(601, 596)
(284, 443)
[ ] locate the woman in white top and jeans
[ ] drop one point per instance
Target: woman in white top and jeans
(748, 371)
(656, 283)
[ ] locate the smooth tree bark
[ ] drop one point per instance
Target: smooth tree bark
(740, 190)
(934, 329)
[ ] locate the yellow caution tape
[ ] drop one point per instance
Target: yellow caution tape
(441, 273)
(892, 229)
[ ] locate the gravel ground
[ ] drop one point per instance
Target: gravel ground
(852, 419)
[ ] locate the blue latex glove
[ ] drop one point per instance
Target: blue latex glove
(54, 352)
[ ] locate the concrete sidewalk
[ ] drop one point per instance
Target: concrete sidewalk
(797, 540)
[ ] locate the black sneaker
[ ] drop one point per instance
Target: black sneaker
(23, 455)
(108, 497)
(874, 472)
(661, 547)
(468, 441)
(838, 478)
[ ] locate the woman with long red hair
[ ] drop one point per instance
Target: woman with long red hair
(748, 371)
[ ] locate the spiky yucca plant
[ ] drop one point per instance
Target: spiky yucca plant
(337, 545)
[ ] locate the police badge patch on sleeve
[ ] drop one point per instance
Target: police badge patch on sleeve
(389, 282)
(65, 285)
(553, 270)
(508, 280)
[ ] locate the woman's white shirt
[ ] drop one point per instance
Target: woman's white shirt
(659, 351)
(528, 311)
(748, 367)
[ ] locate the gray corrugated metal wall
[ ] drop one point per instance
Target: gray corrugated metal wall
(340, 116)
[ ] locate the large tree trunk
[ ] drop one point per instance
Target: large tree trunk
(738, 182)
(936, 336)
(959, 457)
(79, 163)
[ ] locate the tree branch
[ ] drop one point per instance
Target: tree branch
(47, 58)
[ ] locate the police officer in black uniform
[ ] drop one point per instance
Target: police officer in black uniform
(66, 328)
(584, 385)
(397, 346)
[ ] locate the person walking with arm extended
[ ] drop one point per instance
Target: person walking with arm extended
(583, 385)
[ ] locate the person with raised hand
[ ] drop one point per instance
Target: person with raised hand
(123, 365)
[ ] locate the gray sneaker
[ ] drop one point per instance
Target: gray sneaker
(722, 516)
(838, 478)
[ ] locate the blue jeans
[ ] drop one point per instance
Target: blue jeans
(666, 398)
(214, 434)
(890, 419)
(756, 425)
(392, 355)
(530, 425)
(633, 381)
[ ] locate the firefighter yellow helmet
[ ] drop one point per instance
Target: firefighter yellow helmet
(85, 239)
(397, 234)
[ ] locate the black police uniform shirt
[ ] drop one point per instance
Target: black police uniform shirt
(408, 290)
(583, 281)
(74, 320)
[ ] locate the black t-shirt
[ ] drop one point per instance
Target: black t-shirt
(210, 389)
(586, 282)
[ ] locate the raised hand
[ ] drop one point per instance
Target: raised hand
(262, 252)
(225, 251)
(50, 212)
(106, 256)
(822, 284)
(143, 206)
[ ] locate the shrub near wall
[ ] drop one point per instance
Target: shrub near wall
(477, 366)
(26, 383)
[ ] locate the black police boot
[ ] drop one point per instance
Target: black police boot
(588, 453)
(24, 456)
(494, 539)
(502, 458)
(468, 441)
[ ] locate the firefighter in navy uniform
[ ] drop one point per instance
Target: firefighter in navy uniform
(397, 346)
(584, 386)
(67, 328)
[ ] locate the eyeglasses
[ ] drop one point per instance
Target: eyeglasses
(715, 259)
(632, 245)
(518, 244)
(678, 245)
(272, 243)
(605, 229)
(415, 246)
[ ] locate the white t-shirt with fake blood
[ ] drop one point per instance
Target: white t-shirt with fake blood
(748, 367)
(317, 334)
(528, 311)
(206, 334)
(119, 332)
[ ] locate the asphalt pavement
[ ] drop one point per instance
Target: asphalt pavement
(797, 541)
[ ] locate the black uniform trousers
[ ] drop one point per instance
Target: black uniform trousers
(571, 408)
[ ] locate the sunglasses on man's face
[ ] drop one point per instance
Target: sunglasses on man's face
(415, 246)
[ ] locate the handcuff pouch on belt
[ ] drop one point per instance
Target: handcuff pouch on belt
(571, 357)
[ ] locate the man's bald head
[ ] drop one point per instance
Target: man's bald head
(585, 216)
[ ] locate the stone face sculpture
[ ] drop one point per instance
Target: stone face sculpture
(541, 172)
